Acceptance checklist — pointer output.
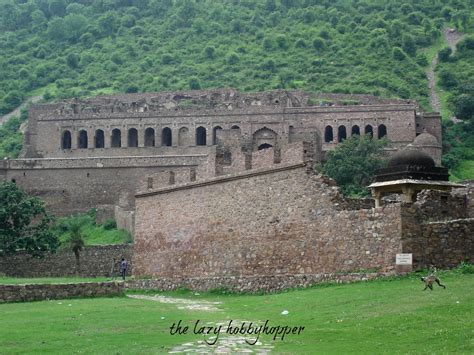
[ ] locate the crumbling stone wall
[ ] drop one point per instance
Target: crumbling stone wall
(94, 261)
(437, 229)
(40, 292)
(279, 221)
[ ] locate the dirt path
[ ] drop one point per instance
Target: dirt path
(452, 37)
(17, 111)
(225, 344)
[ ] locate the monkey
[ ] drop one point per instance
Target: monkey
(429, 280)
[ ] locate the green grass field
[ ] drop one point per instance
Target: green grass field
(385, 316)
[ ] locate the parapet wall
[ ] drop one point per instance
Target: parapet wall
(94, 261)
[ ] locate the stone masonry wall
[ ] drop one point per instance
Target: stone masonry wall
(437, 229)
(94, 261)
(75, 185)
(250, 284)
(38, 292)
(260, 223)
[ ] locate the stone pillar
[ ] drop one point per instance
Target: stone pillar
(90, 138)
(175, 136)
(141, 137)
(74, 137)
(124, 137)
(377, 197)
(107, 138)
(209, 136)
(158, 131)
(408, 194)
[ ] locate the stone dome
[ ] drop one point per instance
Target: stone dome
(411, 157)
(425, 139)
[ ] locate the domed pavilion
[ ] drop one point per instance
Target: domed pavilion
(408, 172)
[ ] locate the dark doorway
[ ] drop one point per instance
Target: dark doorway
(149, 137)
(99, 138)
(82, 139)
(116, 138)
(201, 136)
(66, 140)
(328, 135)
(166, 137)
(132, 138)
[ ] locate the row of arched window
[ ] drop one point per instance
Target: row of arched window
(132, 138)
(342, 133)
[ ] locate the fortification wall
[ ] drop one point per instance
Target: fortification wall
(267, 223)
(76, 185)
(94, 261)
(437, 229)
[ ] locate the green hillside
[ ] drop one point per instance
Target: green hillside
(60, 48)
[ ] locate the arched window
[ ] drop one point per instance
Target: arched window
(166, 137)
(369, 130)
(355, 131)
(132, 138)
(328, 135)
(235, 127)
(149, 137)
(264, 146)
(99, 138)
(214, 134)
(82, 139)
(116, 138)
(66, 140)
(382, 131)
(341, 133)
(201, 136)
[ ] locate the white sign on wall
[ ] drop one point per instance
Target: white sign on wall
(404, 259)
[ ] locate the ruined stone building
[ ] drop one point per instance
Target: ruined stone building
(220, 183)
(89, 153)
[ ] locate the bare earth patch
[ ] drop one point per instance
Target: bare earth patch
(226, 344)
(181, 303)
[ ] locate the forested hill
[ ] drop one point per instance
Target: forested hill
(65, 48)
(87, 47)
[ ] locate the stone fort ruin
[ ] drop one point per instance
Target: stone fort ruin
(219, 184)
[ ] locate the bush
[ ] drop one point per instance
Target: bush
(109, 224)
(444, 54)
(466, 268)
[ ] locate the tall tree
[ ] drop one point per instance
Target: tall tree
(24, 223)
(353, 163)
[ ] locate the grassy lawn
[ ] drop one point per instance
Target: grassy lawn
(50, 280)
(386, 316)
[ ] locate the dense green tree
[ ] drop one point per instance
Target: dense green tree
(24, 223)
(353, 163)
(447, 79)
(444, 54)
(408, 45)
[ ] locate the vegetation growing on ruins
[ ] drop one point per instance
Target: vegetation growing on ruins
(66, 48)
(353, 163)
(92, 233)
(24, 223)
(366, 317)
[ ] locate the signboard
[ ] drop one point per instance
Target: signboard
(404, 259)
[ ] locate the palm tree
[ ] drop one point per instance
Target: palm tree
(76, 243)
